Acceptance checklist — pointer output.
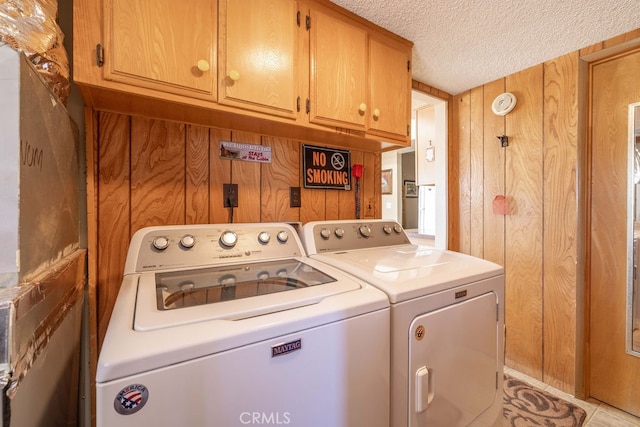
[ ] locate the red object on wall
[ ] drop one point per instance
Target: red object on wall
(356, 171)
(500, 205)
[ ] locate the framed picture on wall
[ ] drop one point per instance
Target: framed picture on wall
(387, 181)
(410, 189)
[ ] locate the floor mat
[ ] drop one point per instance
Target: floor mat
(526, 406)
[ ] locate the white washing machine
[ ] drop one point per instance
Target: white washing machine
(447, 320)
(231, 325)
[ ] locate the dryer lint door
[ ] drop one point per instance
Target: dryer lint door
(453, 363)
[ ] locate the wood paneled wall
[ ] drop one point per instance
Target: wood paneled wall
(145, 172)
(541, 241)
(535, 239)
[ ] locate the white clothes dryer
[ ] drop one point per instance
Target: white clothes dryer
(447, 320)
(232, 325)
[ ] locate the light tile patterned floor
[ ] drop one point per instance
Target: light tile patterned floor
(598, 414)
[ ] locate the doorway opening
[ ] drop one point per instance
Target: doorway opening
(418, 198)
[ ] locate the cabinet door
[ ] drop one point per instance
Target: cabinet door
(258, 55)
(162, 44)
(390, 82)
(338, 52)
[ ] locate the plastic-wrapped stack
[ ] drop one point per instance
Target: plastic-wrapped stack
(29, 26)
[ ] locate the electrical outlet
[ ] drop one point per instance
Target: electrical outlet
(230, 195)
(294, 197)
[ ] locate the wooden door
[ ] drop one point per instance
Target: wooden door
(163, 45)
(258, 55)
(614, 376)
(390, 83)
(338, 55)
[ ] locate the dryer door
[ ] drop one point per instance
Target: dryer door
(453, 363)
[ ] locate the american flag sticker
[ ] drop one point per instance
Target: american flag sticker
(131, 399)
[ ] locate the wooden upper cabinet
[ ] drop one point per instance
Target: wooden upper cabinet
(390, 83)
(301, 69)
(162, 45)
(338, 71)
(258, 55)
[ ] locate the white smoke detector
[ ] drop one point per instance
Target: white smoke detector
(503, 103)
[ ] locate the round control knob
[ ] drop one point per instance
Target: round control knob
(365, 230)
(325, 233)
(362, 107)
(263, 275)
(386, 229)
(339, 232)
(264, 237)
(203, 65)
(228, 239)
(234, 75)
(283, 236)
(160, 243)
(187, 241)
(397, 228)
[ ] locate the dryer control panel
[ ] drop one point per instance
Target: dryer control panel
(334, 236)
(178, 246)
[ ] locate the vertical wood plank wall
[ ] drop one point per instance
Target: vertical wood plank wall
(523, 223)
(535, 240)
(560, 226)
(152, 172)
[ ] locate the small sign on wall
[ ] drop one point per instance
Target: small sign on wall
(247, 152)
(326, 168)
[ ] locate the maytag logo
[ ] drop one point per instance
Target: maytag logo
(286, 348)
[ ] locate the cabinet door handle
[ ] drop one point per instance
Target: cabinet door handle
(362, 108)
(376, 113)
(234, 75)
(203, 65)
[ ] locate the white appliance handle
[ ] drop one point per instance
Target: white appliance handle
(424, 389)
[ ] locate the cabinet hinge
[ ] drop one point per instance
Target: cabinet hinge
(308, 106)
(298, 104)
(408, 65)
(308, 22)
(298, 18)
(99, 55)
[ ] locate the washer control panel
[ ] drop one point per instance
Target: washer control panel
(333, 236)
(176, 246)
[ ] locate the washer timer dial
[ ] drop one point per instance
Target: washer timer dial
(187, 241)
(365, 230)
(264, 237)
(283, 236)
(161, 243)
(228, 239)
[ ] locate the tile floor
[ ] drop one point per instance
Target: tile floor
(598, 414)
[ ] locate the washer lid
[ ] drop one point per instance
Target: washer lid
(409, 271)
(231, 292)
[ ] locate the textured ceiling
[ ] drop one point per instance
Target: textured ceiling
(462, 44)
